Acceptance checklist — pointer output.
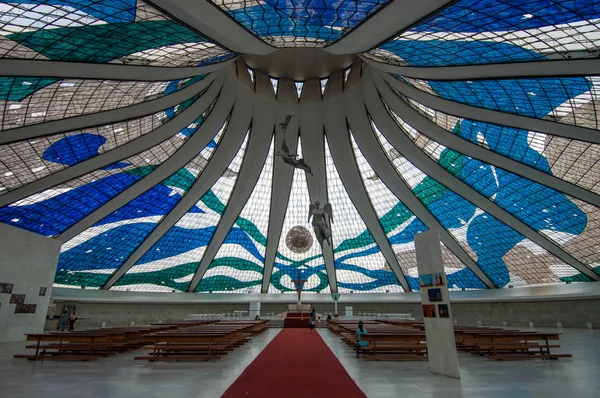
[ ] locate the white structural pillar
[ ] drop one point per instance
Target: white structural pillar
(27, 267)
(439, 328)
(254, 309)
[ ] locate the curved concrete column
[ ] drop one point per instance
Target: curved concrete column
(408, 148)
(138, 145)
(371, 149)
(396, 16)
(517, 70)
(340, 146)
(311, 115)
(84, 70)
(496, 117)
(261, 134)
(283, 175)
(106, 117)
(228, 147)
(210, 20)
(444, 137)
(200, 139)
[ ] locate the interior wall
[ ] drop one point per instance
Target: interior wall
(92, 315)
(28, 262)
(571, 313)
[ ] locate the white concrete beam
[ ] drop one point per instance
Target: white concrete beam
(283, 174)
(395, 17)
(228, 147)
(138, 145)
(367, 142)
(261, 134)
(496, 117)
(408, 148)
(311, 115)
(210, 20)
(437, 133)
(179, 159)
(84, 70)
(106, 117)
(518, 70)
(340, 146)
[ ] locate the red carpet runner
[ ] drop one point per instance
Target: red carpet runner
(295, 364)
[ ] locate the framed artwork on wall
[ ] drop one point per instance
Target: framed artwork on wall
(435, 294)
(443, 311)
(438, 279)
(25, 308)
(429, 311)
(6, 288)
(17, 298)
(425, 280)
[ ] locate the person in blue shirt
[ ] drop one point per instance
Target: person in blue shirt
(360, 343)
(64, 318)
(313, 320)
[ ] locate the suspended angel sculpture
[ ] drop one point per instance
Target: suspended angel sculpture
(284, 152)
(322, 220)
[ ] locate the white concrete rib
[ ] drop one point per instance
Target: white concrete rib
(496, 117)
(407, 147)
(119, 153)
(367, 142)
(283, 175)
(221, 158)
(83, 70)
(106, 117)
(395, 17)
(257, 151)
(518, 70)
(437, 133)
(210, 20)
(311, 132)
(341, 150)
(200, 139)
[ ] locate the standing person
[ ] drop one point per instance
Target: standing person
(64, 317)
(360, 343)
(313, 319)
(72, 320)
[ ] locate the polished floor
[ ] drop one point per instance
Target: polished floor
(122, 377)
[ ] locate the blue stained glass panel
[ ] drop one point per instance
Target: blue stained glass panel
(122, 31)
(497, 31)
(400, 226)
(571, 160)
(172, 261)
(312, 23)
(53, 211)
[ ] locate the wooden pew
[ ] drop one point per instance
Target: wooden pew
(201, 343)
(512, 345)
(386, 341)
(81, 346)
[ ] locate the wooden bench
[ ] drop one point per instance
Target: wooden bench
(386, 341)
(83, 346)
(201, 343)
(500, 345)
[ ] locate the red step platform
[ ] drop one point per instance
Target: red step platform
(296, 320)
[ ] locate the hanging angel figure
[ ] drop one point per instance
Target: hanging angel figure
(292, 159)
(322, 220)
(284, 152)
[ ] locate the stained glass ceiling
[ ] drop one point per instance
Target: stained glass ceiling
(141, 176)
(304, 23)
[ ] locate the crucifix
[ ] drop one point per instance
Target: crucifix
(299, 284)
